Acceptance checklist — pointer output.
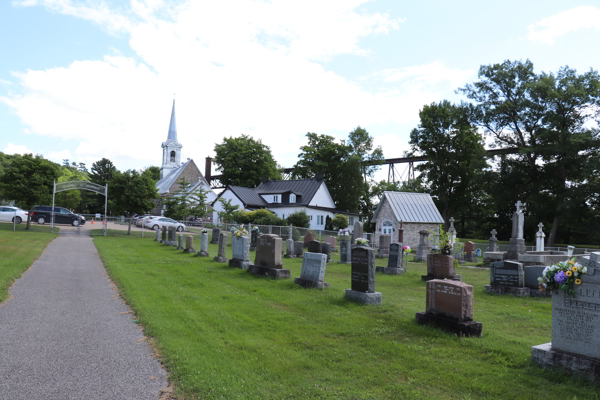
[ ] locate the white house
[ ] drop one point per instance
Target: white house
(287, 197)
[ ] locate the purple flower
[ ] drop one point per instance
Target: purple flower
(560, 277)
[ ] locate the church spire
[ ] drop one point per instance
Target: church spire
(172, 137)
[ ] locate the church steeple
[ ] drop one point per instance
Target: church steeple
(171, 148)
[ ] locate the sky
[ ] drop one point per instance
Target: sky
(87, 79)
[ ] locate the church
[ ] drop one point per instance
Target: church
(173, 171)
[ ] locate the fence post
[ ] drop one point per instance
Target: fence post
(270, 229)
(290, 232)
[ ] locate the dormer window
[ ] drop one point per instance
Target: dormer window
(292, 198)
(276, 198)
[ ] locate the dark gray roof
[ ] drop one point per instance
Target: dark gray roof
(411, 207)
(306, 188)
(248, 196)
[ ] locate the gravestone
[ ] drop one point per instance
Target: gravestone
(507, 277)
(478, 252)
(423, 248)
(203, 245)
(449, 305)
(163, 237)
(332, 242)
(253, 239)
(215, 235)
(171, 236)
(493, 254)
(221, 257)
(516, 244)
(290, 253)
(493, 242)
(180, 242)
(325, 249)
(308, 238)
(363, 277)
(384, 245)
(345, 247)
(452, 232)
(470, 252)
(189, 244)
(312, 273)
(157, 236)
(357, 231)
(299, 249)
(532, 273)
(458, 252)
(575, 344)
(440, 266)
(539, 238)
(268, 258)
(240, 248)
(314, 246)
(395, 261)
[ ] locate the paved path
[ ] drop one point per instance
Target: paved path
(65, 333)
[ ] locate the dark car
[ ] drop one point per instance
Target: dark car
(43, 214)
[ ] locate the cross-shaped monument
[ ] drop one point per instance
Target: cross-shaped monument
(541, 226)
(493, 232)
(519, 205)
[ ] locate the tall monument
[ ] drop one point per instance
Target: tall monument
(516, 244)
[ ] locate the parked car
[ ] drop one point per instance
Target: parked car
(43, 214)
(158, 222)
(7, 214)
(141, 222)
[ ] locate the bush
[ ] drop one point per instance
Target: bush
(296, 234)
(339, 222)
(299, 219)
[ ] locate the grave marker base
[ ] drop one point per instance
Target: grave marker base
(221, 259)
(275, 273)
(289, 256)
(362, 297)
(240, 264)
(548, 358)
(428, 277)
(515, 291)
(307, 283)
(462, 328)
(202, 254)
(191, 251)
(390, 270)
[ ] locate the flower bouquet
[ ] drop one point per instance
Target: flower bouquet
(204, 231)
(562, 276)
(255, 229)
(344, 232)
(407, 249)
(362, 242)
(240, 231)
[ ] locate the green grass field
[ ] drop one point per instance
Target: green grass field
(224, 333)
(18, 250)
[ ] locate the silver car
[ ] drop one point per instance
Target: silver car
(159, 222)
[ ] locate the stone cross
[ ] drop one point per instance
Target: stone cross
(519, 205)
(451, 222)
(493, 232)
(541, 226)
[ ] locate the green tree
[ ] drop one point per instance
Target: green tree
(101, 173)
(152, 172)
(132, 193)
(28, 180)
(339, 222)
(455, 155)
(299, 219)
(547, 117)
(185, 201)
(244, 161)
(70, 198)
(228, 213)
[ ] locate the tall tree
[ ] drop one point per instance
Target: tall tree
(132, 193)
(185, 202)
(28, 180)
(455, 155)
(152, 172)
(244, 161)
(547, 117)
(70, 198)
(102, 171)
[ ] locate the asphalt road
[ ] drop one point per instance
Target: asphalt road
(66, 334)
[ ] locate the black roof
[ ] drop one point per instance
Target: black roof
(248, 196)
(305, 188)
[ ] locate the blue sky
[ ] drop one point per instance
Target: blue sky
(89, 79)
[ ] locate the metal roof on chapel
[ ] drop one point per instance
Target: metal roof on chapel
(410, 207)
(172, 126)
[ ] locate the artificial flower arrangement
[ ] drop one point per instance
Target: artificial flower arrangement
(204, 231)
(407, 249)
(362, 241)
(344, 232)
(240, 231)
(562, 276)
(255, 229)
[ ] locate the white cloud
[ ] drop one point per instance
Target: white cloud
(243, 68)
(60, 156)
(16, 149)
(548, 29)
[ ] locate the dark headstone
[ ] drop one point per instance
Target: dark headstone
(325, 249)
(268, 258)
(298, 249)
(345, 247)
(314, 246)
(440, 266)
(363, 269)
(253, 239)
(507, 277)
(215, 235)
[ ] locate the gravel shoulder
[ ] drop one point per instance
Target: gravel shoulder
(66, 333)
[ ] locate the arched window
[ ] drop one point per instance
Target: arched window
(173, 156)
(387, 227)
(292, 198)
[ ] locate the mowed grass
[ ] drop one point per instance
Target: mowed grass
(224, 333)
(18, 250)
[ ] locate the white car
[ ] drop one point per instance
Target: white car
(141, 222)
(158, 222)
(7, 213)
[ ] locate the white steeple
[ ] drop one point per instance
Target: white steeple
(171, 148)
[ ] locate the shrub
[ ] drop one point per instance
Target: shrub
(339, 222)
(299, 219)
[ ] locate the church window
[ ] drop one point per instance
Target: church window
(172, 156)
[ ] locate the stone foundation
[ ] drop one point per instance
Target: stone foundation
(275, 273)
(493, 256)
(240, 264)
(461, 328)
(390, 270)
(429, 277)
(362, 297)
(581, 366)
(221, 259)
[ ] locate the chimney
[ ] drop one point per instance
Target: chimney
(319, 176)
(207, 168)
(265, 179)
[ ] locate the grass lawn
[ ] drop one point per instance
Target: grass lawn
(18, 250)
(224, 333)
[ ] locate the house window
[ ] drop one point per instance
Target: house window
(311, 217)
(350, 221)
(319, 220)
(276, 198)
(292, 198)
